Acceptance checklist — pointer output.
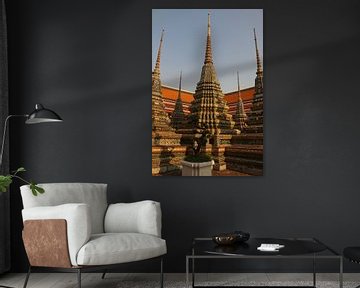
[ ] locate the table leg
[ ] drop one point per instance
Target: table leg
(193, 268)
(314, 271)
(341, 273)
(193, 272)
(187, 272)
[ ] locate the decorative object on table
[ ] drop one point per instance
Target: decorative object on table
(88, 234)
(225, 239)
(241, 236)
(270, 247)
(231, 238)
(39, 115)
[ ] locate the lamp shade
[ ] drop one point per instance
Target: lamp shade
(42, 115)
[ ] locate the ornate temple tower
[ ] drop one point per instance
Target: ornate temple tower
(166, 150)
(259, 70)
(255, 116)
(209, 107)
(178, 115)
(240, 116)
(246, 152)
(160, 119)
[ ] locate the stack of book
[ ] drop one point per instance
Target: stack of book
(270, 247)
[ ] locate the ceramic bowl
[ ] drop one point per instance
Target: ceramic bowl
(225, 239)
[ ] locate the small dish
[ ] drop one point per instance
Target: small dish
(225, 239)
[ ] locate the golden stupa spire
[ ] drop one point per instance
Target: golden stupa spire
(258, 60)
(240, 116)
(179, 96)
(208, 53)
(157, 65)
(238, 82)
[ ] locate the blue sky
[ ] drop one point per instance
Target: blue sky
(185, 39)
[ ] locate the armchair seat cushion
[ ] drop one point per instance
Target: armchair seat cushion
(113, 248)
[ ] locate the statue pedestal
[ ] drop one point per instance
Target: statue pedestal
(197, 169)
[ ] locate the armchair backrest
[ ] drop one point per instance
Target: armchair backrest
(55, 194)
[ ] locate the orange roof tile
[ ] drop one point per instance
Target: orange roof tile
(172, 93)
(187, 96)
(246, 94)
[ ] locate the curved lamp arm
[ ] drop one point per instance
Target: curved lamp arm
(39, 115)
(4, 134)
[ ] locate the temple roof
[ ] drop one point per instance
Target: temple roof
(187, 96)
(246, 94)
(172, 93)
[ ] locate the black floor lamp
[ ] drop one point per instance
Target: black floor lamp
(39, 115)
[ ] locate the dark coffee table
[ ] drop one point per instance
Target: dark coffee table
(295, 248)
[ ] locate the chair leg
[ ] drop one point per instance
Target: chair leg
(79, 277)
(161, 273)
(103, 275)
(27, 277)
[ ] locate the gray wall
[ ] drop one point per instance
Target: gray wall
(91, 62)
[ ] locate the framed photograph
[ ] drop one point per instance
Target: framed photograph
(207, 92)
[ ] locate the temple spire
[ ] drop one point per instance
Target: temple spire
(209, 107)
(160, 118)
(157, 65)
(240, 116)
(178, 115)
(238, 82)
(179, 95)
(259, 71)
(208, 53)
(258, 60)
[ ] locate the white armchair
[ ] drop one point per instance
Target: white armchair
(79, 231)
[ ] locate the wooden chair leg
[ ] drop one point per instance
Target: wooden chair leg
(27, 277)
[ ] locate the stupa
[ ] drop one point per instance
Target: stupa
(166, 150)
(255, 117)
(209, 110)
(209, 107)
(160, 119)
(240, 116)
(259, 71)
(246, 152)
(178, 115)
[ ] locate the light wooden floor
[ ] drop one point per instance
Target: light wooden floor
(113, 280)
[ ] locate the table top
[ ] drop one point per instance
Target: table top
(292, 247)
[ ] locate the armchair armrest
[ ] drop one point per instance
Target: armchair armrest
(138, 217)
(78, 223)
